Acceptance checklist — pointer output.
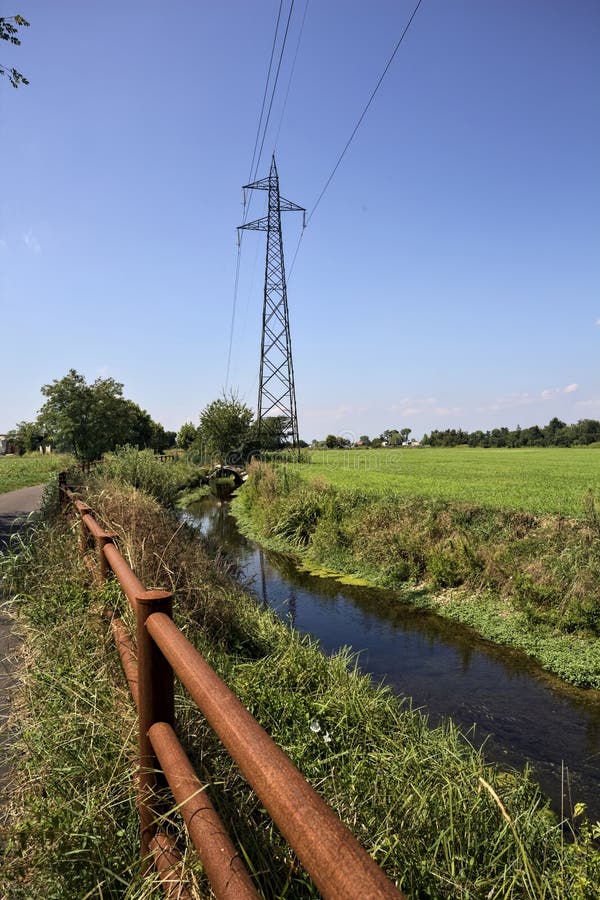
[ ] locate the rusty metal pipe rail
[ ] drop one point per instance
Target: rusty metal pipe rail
(332, 856)
(225, 871)
(128, 659)
(337, 863)
(169, 865)
(131, 584)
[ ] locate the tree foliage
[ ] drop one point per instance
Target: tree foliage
(9, 31)
(90, 419)
(555, 434)
(270, 436)
(26, 437)
(225, 428)
(335, 442)
(186, 435)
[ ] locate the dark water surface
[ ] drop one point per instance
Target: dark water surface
(522, 713)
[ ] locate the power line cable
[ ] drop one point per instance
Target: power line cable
(354, 130)
(289, 84)
(262, 109)
(364, 112)
(295, 255)
(257, 159)
(235, 295)
(274, 87)
(247, 208)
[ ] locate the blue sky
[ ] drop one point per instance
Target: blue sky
(449, 277)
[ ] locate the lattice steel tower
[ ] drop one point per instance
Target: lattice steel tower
(276, 390)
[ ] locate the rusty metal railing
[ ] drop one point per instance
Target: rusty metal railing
(338, 865)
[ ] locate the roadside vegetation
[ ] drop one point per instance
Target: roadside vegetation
(439, 820)
(33, 468)
(167, 481)
(523, 580)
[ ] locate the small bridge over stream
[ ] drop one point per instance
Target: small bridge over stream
(238, 474)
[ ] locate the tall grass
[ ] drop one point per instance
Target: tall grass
(33, 468)
(163, 480)
(69, 825)
(526, 580)
(439, 820)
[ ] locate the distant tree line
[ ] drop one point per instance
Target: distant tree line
(554, 434)
(89, 420)
(391, 437)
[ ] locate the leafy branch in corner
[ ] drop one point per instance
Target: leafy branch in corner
(9, 30)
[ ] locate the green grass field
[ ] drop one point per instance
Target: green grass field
(539, 480)
(24, 471)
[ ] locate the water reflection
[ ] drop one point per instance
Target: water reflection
(522, 713)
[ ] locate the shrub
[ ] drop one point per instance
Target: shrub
(143, 470)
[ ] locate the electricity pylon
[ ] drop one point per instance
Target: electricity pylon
(276, 390)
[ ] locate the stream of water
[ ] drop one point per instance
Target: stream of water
(523, 714)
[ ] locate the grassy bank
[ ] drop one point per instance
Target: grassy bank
(526, 581)
(440, 821)
(166, 481)
(33, 468)
(539, 480)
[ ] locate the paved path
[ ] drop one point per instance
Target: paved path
(16, 506)
(14, 509)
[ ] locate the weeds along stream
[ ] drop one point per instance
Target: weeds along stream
(500, 697)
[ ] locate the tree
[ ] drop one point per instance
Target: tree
(365, 440)
(392, 436)
(27, 436)
(225, 428)
(9, 30)
(186, 435)
(404, 433)
(66, 414)
(90, 419)
(270, 436)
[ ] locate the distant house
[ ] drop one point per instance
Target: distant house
(3, 444)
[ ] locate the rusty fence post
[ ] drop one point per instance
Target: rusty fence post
(156, 704)
(62, 484)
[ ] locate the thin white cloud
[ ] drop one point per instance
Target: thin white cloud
(597, 322)
(526, 398)
(584, 403)
(410, 406)
(511, 400)
(549, 393)
(31, 242)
